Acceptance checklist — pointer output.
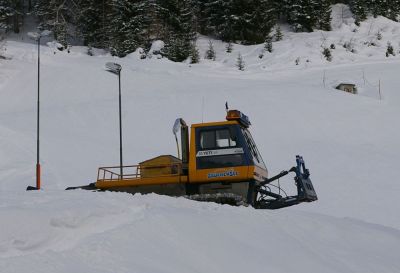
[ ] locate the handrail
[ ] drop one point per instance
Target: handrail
(109, 173)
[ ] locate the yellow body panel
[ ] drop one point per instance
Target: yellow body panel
(218, 123)
(230, 174)
(258, 173)
(159, 166)
(161, 180)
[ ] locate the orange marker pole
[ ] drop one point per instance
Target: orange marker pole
(38, 176)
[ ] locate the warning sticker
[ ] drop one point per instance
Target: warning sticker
(231, 151)
(228, 173)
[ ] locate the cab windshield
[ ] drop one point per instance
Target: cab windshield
(253, 149)
(218, 148)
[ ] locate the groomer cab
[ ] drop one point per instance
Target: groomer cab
(225, 152)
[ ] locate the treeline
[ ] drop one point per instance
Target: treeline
(387, 8)
(122, 26)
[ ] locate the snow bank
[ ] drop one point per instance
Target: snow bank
(107, 232)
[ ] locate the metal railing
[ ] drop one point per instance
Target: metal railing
(139, 171)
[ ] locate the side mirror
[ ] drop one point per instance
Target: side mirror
(177, 126)
(175, 130)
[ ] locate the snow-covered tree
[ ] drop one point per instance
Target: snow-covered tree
(301, 14)
(323, 17)
(278, 34)
(359, 10)
(261, 20)
(237, 20)
(128, 26)
(10, 11)
(216, 18)
(327, 54)
(178, 33)
(240, 64)
(194, 54)
(229, 47)
(268, 44)
(389, 50)
(92, 22)
(55, 15)
(304, 15)
(210, 53)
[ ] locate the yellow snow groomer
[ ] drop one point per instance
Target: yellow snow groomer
(219, 162)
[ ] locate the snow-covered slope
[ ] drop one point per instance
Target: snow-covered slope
(111, 232)
(350, 143)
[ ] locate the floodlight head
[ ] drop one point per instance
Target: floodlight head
(113, 68)
(177, 124)
(37, 35)
(34, 35)
(45, 33)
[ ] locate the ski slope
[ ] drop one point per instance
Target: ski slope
(111, 232)
(350, 143)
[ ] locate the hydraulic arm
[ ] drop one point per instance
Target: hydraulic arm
(305, 190)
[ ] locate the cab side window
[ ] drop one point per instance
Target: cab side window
(219, 148)
(216, 139)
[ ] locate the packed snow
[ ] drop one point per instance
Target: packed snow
(350, 144)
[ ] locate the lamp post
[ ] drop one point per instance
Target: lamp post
(116, 69)
(37, 36)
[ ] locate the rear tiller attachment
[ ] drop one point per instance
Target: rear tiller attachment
(305, 190)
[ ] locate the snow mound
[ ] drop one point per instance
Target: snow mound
(95, 232)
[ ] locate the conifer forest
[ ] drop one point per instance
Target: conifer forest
(122, 26)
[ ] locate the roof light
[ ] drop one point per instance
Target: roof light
(239, 116)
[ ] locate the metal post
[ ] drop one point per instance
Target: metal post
(38, 121)
(380, 94)
(120, 127)
(116, 69)
(37, 36)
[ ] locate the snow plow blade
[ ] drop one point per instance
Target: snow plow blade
(90, 187)
(305, 189)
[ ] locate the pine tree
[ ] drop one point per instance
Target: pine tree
(229, 47)
(394, 10)
(261, 20)
(304, 15)
(194, 54)
(278, 34)
(379, 36)
(240, 64)
(268, 44)
(373, 7)
(178, 33)
(236, 20)
(301, 14)
(323, 17)
(389, 50)
(389, 9)
(55, 15)
(216, 15)
(6, 12)
(327, 54)
(129, 25)
(359, 10)
(2, 47)
(10, 13)
(210, 53)
(93, 22)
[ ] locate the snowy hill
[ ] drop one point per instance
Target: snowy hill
(350, 143)
(91, 232)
